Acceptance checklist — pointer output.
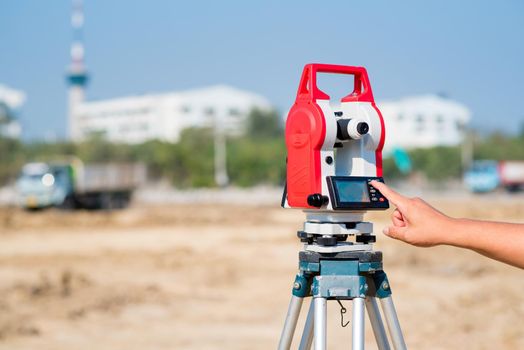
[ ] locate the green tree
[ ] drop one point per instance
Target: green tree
(11, 158)
(256, 161)
(438, 163)
(192, 161)
(263, 124)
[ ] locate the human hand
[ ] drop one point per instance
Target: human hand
(415, 221)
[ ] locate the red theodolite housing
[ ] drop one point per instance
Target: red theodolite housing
(334, 148)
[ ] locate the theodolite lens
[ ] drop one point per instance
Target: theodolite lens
(362, 128)
(351, 129)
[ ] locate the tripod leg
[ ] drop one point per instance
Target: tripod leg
(307, 335)
(392, 321)
(376, 323)
(320, 323)
(290, 324)
(358, 324)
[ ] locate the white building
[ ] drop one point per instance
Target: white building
(163, 116)
(10, 101)
(423, 121)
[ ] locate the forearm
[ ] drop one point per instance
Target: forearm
(500, 241)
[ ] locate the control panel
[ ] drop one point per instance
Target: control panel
(355, 192)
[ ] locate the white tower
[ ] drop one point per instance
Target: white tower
(76, 74)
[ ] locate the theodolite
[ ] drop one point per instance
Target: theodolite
(334, 151)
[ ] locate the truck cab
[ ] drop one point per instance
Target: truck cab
(43, 185)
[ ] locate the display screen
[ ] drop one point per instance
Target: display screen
(355, 193)
(352, 191)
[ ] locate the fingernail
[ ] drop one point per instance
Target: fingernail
(386, 231)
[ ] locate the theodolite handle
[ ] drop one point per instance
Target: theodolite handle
(308, 89)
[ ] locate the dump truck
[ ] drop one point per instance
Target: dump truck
(488, 175)
(73, 184)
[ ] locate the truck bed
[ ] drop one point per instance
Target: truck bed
(109, 177)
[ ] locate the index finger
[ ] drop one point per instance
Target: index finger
(391, 195)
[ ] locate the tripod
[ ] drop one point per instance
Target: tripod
(331, 269)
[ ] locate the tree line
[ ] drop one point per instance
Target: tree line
(256, 157)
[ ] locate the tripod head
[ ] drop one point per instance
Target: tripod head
(334, 151)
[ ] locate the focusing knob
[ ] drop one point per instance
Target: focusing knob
(317, 200)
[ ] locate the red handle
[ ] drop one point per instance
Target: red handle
(308, 89)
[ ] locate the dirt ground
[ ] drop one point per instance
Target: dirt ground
(219, 277)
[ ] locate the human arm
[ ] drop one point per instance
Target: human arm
(416, 222)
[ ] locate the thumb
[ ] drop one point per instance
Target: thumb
(396, 232)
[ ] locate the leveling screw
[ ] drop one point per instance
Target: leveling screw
(385, 285)
(297, 285)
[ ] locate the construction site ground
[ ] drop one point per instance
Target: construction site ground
(205, 276)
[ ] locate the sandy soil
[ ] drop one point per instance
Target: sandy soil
(219, 277)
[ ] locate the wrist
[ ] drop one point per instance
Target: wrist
(457, 233)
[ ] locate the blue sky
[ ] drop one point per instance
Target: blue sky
(471, 50)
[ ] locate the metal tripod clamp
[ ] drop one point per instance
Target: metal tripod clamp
(383, 288)
(302, 285)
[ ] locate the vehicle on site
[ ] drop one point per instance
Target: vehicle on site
(72, 184)
(488, 175)
(512, 175)
(482, 176)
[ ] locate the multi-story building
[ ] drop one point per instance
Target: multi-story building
(135, 119)
(423, 121)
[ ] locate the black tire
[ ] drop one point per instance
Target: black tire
(106, 201)
(69, 203)
(513, 188)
